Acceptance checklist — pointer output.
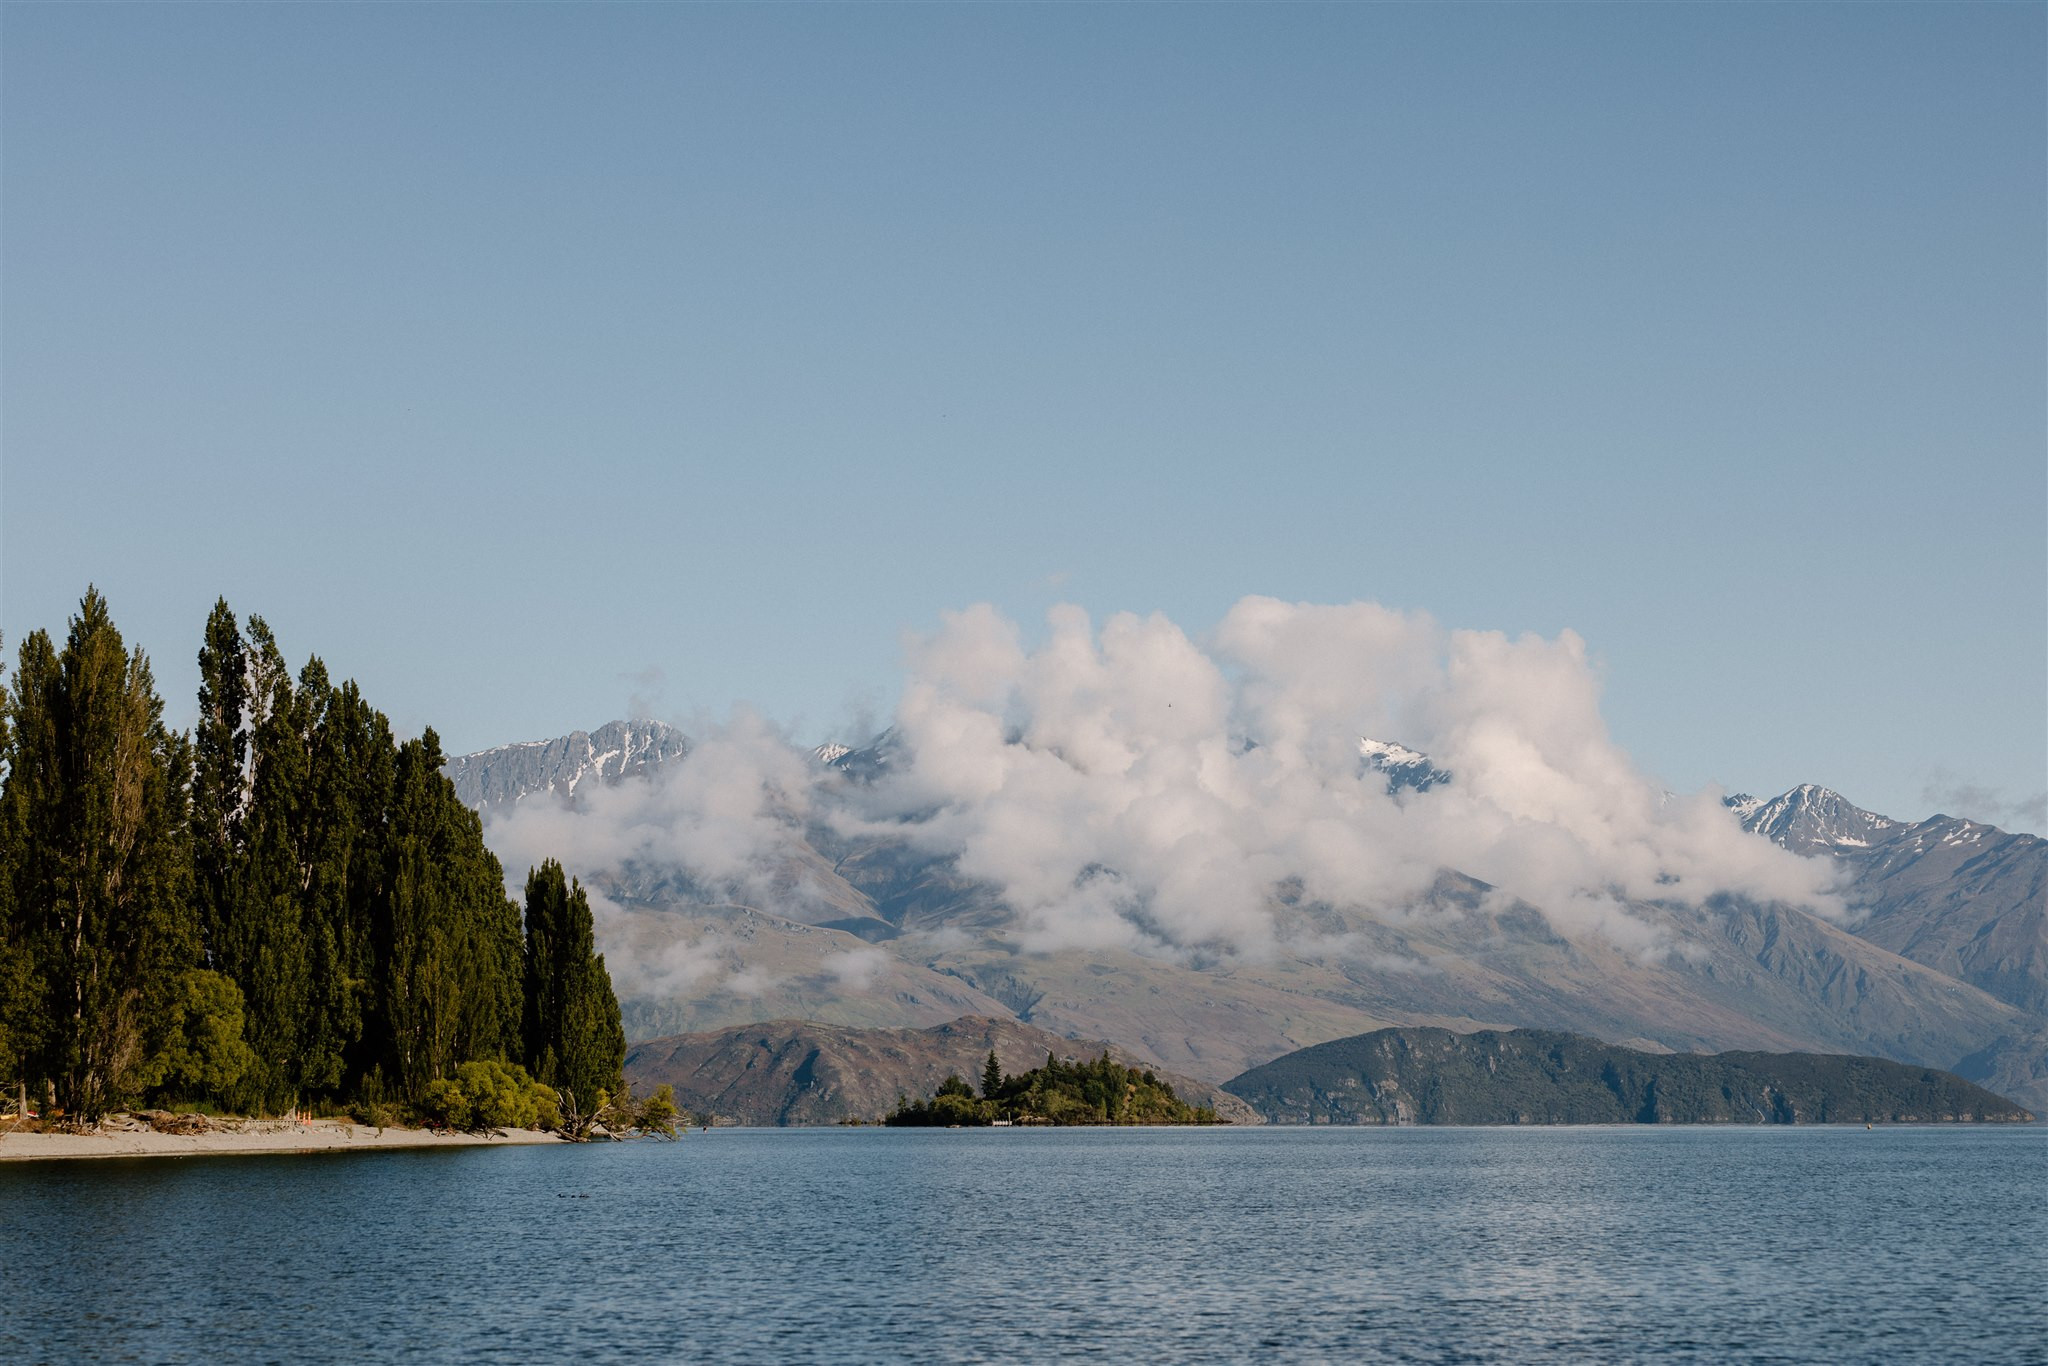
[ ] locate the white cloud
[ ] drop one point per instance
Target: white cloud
(1131, 786)
(1130, 783)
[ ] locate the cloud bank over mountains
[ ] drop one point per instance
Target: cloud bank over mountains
(1134, 786)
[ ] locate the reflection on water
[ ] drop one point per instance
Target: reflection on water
(1709, 1245)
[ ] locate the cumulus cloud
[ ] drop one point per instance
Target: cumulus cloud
(1131, 785)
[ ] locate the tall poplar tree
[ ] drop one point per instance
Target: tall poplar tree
(574, 1041)
(96, 788)
(449, 947)
(356, 767)
(345, 801)
(20, 1003)
(27, 802)
(220, 783)
(264, 946)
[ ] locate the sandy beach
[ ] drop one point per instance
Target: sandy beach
(247, 1136)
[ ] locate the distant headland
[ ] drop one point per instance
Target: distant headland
(1531, 1076)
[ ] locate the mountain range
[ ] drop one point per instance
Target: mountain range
(1944, 964)
(493, 779)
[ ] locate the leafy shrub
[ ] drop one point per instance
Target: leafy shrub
(202, 1051)
(658, 1113)
(444, 1106)
(490, 1095)
(374, 1113)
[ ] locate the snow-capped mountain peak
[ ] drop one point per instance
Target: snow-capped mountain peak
(1403, 767)
(1810, 819)
(865, 763)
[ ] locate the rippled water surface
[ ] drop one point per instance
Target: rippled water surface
(1435, 1245)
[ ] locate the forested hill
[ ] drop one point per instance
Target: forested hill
(288, 907)
(1528, 1076)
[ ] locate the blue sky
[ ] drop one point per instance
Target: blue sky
(522, 360)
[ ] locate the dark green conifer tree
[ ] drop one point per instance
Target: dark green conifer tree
(991, 1076)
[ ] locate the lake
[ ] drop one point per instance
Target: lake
(1399, 1245)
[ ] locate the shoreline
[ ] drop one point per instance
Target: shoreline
(250, 1138)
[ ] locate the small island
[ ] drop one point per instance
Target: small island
(1062, 1093)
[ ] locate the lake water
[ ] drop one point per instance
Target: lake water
(1401, 1245)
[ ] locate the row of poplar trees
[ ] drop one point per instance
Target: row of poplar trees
(286, 907)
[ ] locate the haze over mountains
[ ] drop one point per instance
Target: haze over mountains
(760, 885)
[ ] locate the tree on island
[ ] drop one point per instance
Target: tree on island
(991, 1076)
(1098, 1092)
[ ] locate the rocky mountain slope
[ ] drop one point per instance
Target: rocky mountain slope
(1967, 900)
(792, 1072)
(1527, 1076)
(500, 777)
